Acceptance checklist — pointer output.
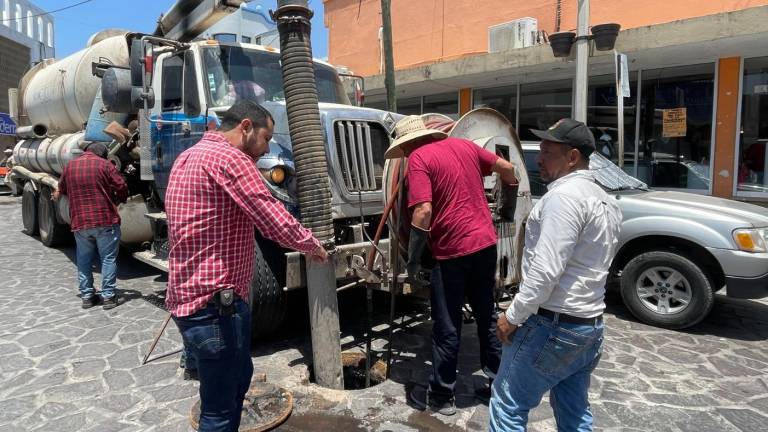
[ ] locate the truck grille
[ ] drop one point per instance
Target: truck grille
(360, 147)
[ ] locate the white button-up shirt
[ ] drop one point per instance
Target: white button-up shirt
(570, 240)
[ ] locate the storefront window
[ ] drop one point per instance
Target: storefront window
(602, 118)
(543, 104)
(502, 99)
(445, 103)
(751, 174)
(409, 106)
(676, 127)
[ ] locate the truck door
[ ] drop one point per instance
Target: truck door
(177, 122)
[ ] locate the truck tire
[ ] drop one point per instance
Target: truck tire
(29, 198)
(666, 289)
(268, 300)
(52, 233)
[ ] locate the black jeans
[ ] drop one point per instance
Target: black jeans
(472, 276)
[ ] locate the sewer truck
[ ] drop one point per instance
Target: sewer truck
(150, 97)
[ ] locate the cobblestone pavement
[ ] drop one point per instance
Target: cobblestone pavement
(67, 369)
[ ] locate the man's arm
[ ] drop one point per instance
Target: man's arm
(242, 181)
(422, 215)
(61, 187)
(561, 225)
(117, 184)
(506, 171)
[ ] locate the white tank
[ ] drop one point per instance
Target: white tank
(48, 155)
(59, 95)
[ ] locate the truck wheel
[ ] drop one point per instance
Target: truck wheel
(268, 300)
(666, 289)
(52, 233)
(29, 209)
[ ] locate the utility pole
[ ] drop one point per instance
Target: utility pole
(582, 63)
(389, 61)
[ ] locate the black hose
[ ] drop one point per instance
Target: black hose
(301, 100)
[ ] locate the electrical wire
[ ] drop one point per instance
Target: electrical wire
(46, 13)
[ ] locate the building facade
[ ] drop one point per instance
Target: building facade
(26, 37)
(705, 62)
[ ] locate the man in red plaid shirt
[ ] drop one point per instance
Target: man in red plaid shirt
(94, 188)
(215, 197)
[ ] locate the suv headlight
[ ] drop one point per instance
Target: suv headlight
(751, 239)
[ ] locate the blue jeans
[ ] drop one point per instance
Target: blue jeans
(472, 277)
(105, 241)
(546, 355)
(221, 345)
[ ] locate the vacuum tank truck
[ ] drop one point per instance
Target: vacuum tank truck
(150, 97)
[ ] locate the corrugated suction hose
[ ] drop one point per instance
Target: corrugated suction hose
(306, 130)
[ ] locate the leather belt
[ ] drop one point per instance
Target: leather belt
(561, 317)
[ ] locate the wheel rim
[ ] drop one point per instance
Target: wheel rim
(663, 290)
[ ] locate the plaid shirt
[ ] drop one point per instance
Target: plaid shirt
(215, 197)
(94, 188)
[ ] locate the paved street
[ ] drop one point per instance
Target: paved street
(67, 369)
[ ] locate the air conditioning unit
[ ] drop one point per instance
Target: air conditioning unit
(519, 33)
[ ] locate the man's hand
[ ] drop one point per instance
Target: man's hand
(504, 330)
(318, 256)
(56, 195)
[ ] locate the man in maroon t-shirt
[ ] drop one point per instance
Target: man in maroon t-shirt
(451, 213)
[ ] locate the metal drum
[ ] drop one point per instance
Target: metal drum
(48, 155)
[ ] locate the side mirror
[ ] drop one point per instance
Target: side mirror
(190, 92)
(137, 63)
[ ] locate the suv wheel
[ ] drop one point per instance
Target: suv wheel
(666, 289)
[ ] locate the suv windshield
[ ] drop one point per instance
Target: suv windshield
(608, 174)
(233, 72)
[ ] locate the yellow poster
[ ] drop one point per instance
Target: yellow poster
(674, 123)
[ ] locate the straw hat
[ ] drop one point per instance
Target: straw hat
(407, 130)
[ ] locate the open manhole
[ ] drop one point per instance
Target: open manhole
(353, 367)
(265, 407)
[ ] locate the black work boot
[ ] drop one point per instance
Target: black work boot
(90, 302)
(110, 302)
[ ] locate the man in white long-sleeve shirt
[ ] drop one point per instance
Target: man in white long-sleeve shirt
(553, 329)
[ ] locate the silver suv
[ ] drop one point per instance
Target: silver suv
(675, 248)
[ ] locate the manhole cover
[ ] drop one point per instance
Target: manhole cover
(266, 406)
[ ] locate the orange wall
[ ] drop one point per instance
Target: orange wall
(725, 132)
(429, 31)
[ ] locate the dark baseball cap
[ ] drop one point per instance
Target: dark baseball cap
(571, 132)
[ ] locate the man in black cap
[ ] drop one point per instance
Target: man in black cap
(552, 332)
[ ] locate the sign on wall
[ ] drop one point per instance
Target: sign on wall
(674, 123)
(7, 125)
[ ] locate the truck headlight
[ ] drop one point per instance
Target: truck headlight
(751, 239)
(275, 175)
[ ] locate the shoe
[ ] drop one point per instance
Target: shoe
(90, 301)
(445, 405)
(418, 397)
(423, 399)
(191, 375)
(109, 302)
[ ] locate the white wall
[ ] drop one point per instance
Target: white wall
(27, 24)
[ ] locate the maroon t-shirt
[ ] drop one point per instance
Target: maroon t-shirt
(449, 173)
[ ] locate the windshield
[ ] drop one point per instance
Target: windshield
(606, 173)
(233, 72)
(611, 176)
